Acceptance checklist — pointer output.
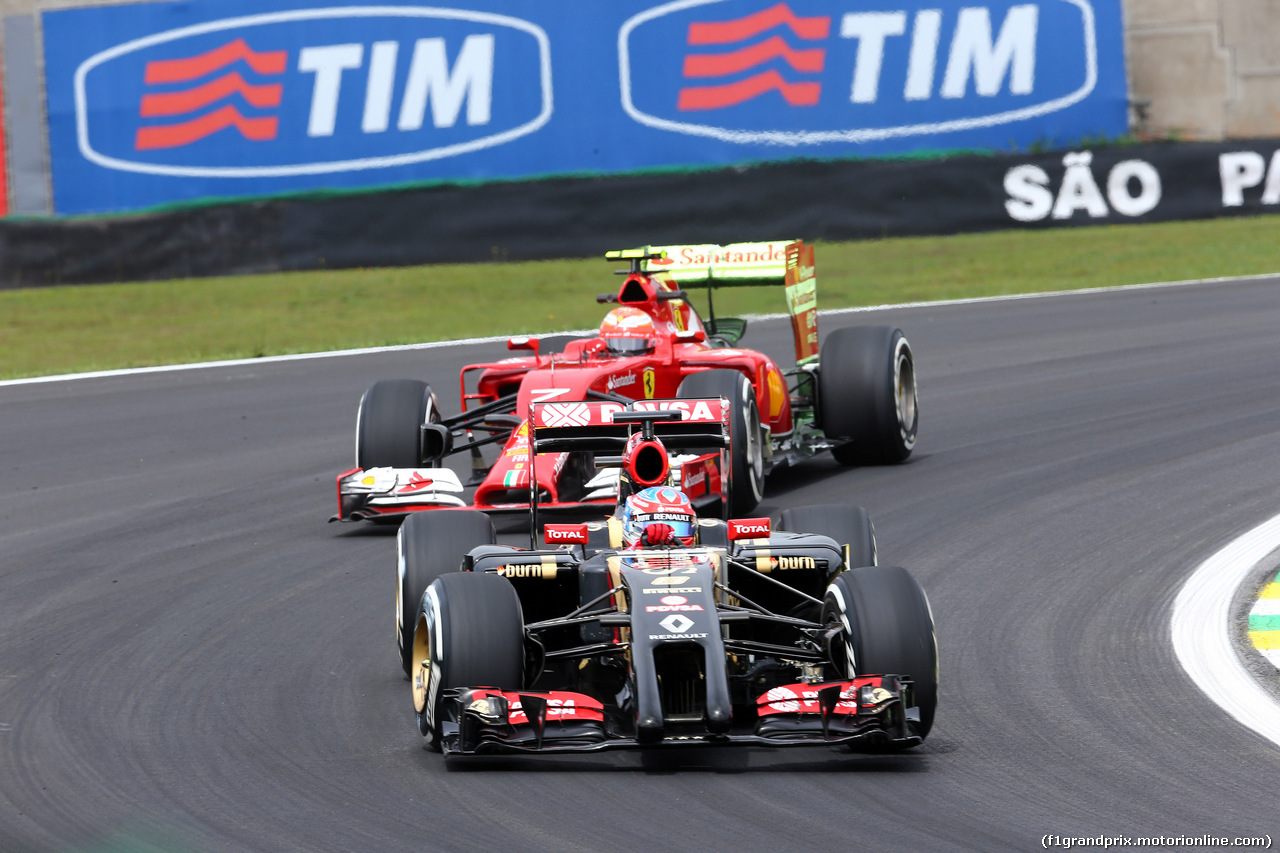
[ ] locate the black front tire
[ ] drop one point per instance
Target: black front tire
(746, 475)
(846, 524)
(469, 633)
(389, 423)
(888, 630)
(867, 394)
(429, 545)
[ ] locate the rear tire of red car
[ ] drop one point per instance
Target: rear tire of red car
(867, 394)
(389, 423)
(429, 545)
(746, 477)
(469, 633)
(888, 630)
(846, 524)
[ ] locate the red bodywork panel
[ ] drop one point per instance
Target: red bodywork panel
(586, 366)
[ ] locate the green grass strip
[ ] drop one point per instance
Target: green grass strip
(96, 327)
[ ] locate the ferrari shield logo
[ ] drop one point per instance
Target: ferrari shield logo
(649, 380)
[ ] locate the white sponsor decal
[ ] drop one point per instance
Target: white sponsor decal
(677, 624)
(748, 527)
(1244, 170)
(676, 580)
(700, 411)
(565, 414)
(620, 381)
(555, 707)
(661, 516)
(1133, 188)
(783, 698)
(787, 699)
(554, 534)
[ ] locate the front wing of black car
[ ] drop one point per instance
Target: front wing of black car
(870, 713)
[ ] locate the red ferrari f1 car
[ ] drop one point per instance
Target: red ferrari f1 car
(856, 398)
(655, 628)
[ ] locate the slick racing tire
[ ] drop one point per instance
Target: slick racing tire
(746, 476)
(429, 545)
(867, 394)
(389, 423)
(847, 524)
(469, 633)
(888, 630)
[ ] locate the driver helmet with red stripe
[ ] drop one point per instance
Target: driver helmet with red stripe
(629, 331)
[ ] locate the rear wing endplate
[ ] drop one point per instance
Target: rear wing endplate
(786, 262)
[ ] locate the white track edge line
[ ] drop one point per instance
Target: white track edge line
(266, 359)
(830, 312)
(1201, 631)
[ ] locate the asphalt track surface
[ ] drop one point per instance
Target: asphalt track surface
(192, 659)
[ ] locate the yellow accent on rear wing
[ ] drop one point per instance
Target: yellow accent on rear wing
(786, 262)
(737, 264)
(626, 254)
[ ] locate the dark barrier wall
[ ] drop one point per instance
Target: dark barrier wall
(583, 217)
(152, 103)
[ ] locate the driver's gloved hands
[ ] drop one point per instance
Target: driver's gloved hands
(658, 534)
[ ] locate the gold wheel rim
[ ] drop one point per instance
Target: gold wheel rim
(421, 666)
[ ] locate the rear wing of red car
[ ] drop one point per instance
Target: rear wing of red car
(636, 437)
(788, 263)
(605, 427)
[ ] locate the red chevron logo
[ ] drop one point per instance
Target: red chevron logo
(184, 133)
(731, 94)
(725, 32)
(195, 67)
(750, 56)
(230, 84)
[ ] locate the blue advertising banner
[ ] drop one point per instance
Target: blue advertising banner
(167, 102)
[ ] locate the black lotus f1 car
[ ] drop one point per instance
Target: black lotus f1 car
(756, 635)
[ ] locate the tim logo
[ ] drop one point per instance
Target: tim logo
(805, 72)
(313, 91)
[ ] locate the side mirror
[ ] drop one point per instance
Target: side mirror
(437, 443)
(523, 342)
(694, 336)
(748, 528)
